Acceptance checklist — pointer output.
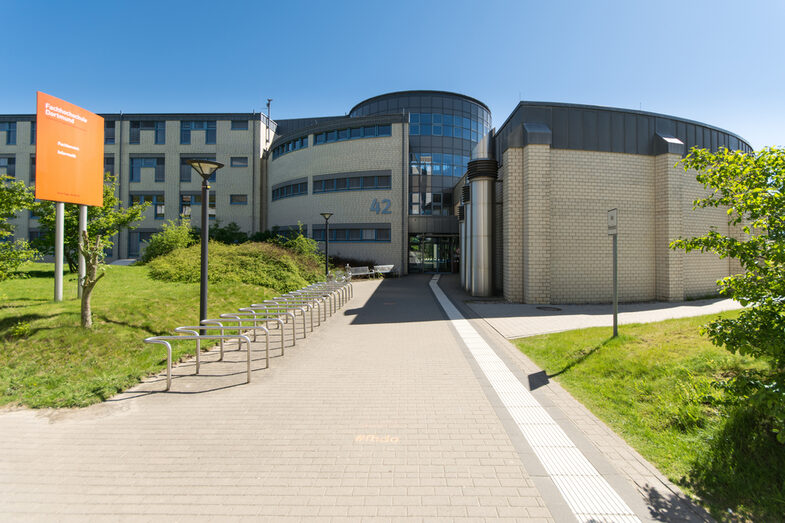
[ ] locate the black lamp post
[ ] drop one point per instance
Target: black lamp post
(326, 216)
(205, 168)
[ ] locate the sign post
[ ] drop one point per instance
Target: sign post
(613, 223)
(69, 154)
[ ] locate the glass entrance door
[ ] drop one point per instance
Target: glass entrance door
(431, 253)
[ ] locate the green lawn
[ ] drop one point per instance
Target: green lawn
(47, 360)
(654, 386)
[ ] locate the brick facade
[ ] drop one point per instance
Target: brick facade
(555, 241)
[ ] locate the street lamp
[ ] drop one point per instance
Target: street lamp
(205, 168)
(326, 216)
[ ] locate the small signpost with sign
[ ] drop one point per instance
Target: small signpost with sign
(69, 154)
(613, 225)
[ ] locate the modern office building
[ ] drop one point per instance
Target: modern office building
(147, 153)
(421, 180)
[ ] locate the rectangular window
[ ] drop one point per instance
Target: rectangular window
(369, 131)
(10, 132)
(138, 163)
(32, 132)
(239, 161)
(238, 199)
(109, 132)
(332, 136)
(158, 206)
(32, 170)
(186, 169)
(109, 164)
(356, 132)
(239, 125)
(355, 183)
(382, 235)
(185, 205)
(136, 128)
(320, 138)
(186, 126)
(343, 134)
(8, 166)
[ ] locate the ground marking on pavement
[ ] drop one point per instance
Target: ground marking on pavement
(584, 489)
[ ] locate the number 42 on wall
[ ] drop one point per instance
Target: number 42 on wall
(383, 208)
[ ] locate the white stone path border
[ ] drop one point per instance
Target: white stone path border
(586, 492)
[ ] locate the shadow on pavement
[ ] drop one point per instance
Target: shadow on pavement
(399, 300)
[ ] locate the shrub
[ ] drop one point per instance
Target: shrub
(262, 264)
(173, 236)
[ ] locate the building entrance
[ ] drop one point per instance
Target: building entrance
(432, 253)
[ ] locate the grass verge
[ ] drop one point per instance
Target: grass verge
(47, 360)
(654, 385)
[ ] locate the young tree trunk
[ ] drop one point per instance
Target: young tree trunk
(87, 312)
(93, 257)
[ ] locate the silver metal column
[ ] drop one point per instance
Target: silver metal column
(461, 243)
(468, 239)
(482, 175)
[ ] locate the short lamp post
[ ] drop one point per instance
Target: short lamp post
(205, 168)
(326, 216)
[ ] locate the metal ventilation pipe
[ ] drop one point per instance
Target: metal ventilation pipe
(482, 176)
(467, 237)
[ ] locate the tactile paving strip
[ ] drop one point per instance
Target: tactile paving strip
(584, 489)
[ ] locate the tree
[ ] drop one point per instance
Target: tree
(105, 221)
(752, 187)
(95, 269)
(14, 196)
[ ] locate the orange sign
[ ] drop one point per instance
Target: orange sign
(69, 153)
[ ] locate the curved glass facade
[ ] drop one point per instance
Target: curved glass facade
(443, 129)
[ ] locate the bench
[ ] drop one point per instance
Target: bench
(360, 271)
(384, 269)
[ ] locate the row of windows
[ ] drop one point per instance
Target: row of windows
(291, 145)
(438, 164)
(353, 235)
(136, 126)
(293, 189)
(185, 169)
(427, 124)
(158, 202)
(352, 133)
(352, 183)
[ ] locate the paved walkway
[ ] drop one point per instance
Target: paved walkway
(381, 414)
(515, 320)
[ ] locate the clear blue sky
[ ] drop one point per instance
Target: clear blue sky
(720, 62)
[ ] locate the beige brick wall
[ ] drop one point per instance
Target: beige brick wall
(348, 206)
(555, 241)
(538, 220)
(585, 185)
(702, 270)
(511, 174)
(669, 224)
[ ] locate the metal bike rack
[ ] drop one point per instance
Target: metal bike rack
(277, 306)
(273, 315)
(253, 317)
(164, 340)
